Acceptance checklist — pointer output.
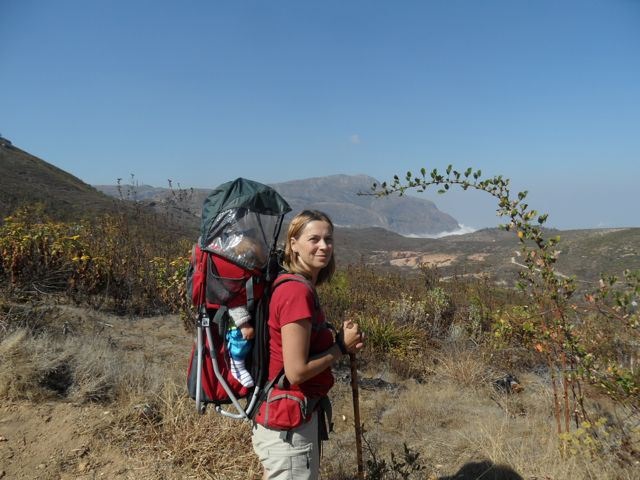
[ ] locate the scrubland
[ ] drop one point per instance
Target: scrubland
(95, 337)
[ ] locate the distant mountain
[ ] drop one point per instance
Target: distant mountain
(134, 192)
(25, 179)
(337, 195)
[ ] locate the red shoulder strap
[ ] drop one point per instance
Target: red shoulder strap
(294, 277)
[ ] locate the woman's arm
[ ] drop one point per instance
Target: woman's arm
(298, 367)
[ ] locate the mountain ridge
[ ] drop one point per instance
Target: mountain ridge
(345, 198)
(351, 203)
(26, 179)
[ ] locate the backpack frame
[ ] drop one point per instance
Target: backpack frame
(229, 212)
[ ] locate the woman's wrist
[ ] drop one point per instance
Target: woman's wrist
(341, 345)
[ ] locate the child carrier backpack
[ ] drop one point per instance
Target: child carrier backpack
(233, 264)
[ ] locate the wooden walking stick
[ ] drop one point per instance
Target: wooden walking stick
(356, 413)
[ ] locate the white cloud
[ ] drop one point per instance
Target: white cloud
(461, 230)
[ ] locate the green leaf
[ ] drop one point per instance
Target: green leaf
(449, 169)
(468, 172)
(442, 191)
(423, 171)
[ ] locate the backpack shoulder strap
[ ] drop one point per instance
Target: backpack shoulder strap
(294, 277)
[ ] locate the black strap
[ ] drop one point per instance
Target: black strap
(280, 380)
(220, 318)
(341, 345)
(325, 417)
(248, 286)
(265, 391)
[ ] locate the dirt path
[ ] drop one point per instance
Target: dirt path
(58, 441)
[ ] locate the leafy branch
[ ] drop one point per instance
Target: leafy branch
(524, 221)
(550, 290)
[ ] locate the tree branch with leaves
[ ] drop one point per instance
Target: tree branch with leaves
(549, 291)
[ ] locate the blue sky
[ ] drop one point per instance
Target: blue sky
(546, 93)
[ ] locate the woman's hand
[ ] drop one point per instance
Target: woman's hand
(352, 336)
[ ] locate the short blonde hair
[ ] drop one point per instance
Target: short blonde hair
(296, 226)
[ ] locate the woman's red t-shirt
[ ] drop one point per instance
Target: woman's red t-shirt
(294, 301)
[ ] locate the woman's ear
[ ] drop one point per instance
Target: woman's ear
(293, 242)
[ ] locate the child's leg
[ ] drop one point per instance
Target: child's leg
(238, 350)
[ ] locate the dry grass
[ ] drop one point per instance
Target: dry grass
(169, 430)
(463, 364)
(459, 424)
(157, 420)
(454, 418)
(37, 367)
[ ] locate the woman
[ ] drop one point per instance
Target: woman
(304, 348)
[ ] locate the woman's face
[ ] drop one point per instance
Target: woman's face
(314, 247)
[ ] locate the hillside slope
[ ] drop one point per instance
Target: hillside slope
(26, 179)
(585, 254)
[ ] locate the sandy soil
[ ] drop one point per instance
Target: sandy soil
(415, 259)
(58, 440)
